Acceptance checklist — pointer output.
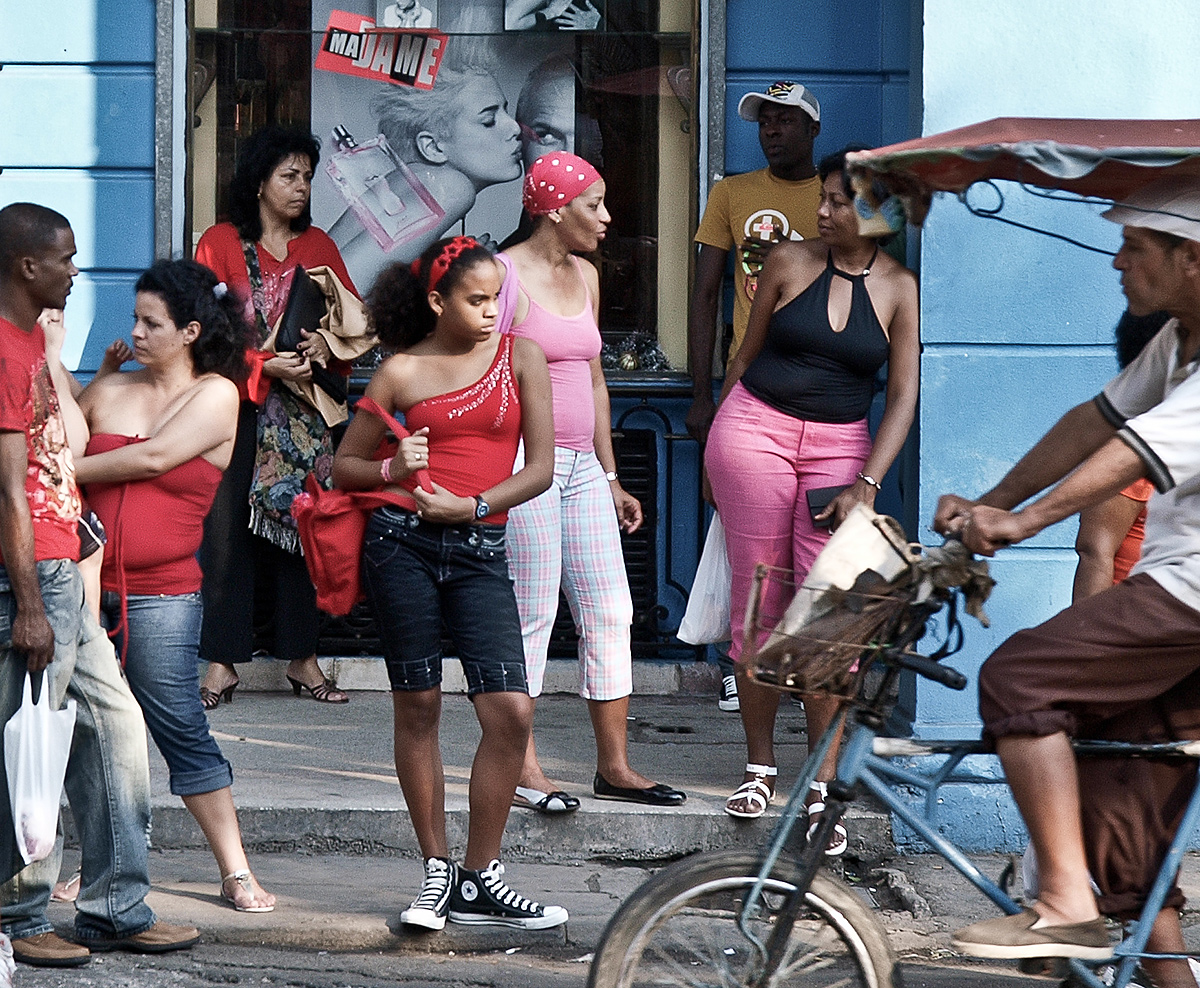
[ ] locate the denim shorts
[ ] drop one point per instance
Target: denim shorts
(419, 576)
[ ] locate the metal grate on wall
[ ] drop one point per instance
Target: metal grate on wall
(637, 464)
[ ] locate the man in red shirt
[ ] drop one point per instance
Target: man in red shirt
(54, 637)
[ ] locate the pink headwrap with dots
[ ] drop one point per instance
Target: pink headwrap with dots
(554, 180)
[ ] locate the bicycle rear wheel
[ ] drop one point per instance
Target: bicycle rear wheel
(681, 928)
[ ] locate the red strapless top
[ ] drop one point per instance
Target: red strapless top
(473, 432)
(154, 526)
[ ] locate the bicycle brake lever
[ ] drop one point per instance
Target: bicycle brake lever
(939, 673)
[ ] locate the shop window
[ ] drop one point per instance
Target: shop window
(402, 164)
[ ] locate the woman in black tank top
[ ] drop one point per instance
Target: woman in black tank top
(827, 316)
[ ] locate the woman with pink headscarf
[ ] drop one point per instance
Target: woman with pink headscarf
(571, 535)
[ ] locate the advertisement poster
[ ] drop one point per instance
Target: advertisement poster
(402, 166)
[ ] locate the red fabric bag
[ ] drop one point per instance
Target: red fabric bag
(332, 524)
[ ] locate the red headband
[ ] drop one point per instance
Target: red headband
(554, 180)
(441, 264)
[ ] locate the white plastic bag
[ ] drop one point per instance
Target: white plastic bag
(37, 743)
(706, 619)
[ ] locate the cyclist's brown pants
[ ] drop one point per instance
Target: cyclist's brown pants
(1121, 665)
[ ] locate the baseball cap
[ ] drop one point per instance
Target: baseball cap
(785, 94)
(1169, 205)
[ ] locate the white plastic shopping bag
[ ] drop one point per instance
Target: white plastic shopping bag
(706, 619)
(37, 743)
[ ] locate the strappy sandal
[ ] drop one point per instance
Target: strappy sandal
(324, 692)
(753, 794)
(242, 879)
(211, 699)
(840, 839)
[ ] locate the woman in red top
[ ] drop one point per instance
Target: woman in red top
(469, 393)
(281, 438)
(160, 439)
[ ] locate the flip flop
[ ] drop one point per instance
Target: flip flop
(555, 803)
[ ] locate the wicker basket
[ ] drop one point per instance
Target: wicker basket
(831, 653)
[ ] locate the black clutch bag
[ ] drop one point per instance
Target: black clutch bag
(306, 307)
(818, 501)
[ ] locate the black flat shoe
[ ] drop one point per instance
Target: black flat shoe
(656, 795)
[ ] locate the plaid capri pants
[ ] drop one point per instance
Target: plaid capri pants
(569, 537)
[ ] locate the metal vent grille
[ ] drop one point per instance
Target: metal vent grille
(637, 464)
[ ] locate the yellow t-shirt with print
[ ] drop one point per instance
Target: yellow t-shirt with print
(756, 206)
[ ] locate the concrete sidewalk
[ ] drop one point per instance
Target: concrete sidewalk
(320, 777)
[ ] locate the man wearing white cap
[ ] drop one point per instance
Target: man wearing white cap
(1121, 663)
(752, 211)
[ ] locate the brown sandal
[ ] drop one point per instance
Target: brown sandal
(325, 691)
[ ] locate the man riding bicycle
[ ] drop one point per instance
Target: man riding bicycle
(1125, 660)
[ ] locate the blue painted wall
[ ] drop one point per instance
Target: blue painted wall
(77, 102)
(1018, 327)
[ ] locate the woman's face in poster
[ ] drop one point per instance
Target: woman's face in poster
(483, 141)
(549, 124)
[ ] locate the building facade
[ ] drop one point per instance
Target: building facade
(125, 116)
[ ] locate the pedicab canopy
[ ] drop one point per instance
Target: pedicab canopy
(1107, 159)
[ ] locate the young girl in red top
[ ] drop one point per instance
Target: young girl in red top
(160, 439)
(468, 394)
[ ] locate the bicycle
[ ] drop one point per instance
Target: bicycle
(768, 920)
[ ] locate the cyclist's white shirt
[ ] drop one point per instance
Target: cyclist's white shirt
(1155, 403)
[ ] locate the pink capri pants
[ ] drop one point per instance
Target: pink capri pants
(761, 462)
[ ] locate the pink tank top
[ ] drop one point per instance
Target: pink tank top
(569, 342)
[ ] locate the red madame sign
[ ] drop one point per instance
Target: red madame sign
(353, 45)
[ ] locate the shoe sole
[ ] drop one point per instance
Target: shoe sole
(53, 962)
(729, 706)
(104, 947)
(423, 919)
(1018, 952)
(640, 802)
(514, 922)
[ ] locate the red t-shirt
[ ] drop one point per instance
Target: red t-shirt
(29, 404)
(220, 250)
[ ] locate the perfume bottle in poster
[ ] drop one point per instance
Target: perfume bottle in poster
(388, 199)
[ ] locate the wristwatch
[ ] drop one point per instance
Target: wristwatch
(482, 508)
(610, 476)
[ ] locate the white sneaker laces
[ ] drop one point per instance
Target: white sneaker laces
(437, 882)
(493, 879)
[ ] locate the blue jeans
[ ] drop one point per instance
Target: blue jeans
(418, 574)
(161, 647)
(108, 773)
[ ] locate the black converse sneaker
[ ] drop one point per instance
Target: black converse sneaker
(429, 908)
(729, 695)
(480, 898)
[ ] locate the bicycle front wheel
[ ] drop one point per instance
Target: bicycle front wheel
(681, 928)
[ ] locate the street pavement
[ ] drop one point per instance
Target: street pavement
(327, 831)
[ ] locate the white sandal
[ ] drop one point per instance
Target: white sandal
(754, 792)
(243, 879)
(840, 840)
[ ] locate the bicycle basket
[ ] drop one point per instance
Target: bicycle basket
(831, 653)
(849, 603)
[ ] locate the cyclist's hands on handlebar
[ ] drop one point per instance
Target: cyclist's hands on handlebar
(983, 529)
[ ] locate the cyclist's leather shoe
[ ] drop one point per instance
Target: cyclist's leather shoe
(49, 950)
(1015, 937)
(158, 939)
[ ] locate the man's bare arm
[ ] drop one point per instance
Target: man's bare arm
(31, 632)
(702, 336)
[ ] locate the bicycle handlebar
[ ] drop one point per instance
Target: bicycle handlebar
(923, 666)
